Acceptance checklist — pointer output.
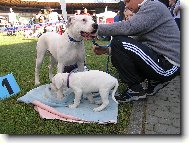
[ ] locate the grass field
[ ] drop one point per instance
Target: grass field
(17, 56)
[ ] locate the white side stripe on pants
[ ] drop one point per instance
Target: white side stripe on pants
(148, 60)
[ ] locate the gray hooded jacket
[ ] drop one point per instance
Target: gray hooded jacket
(153, 26)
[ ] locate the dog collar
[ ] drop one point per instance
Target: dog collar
(72, 39)
(68, 80)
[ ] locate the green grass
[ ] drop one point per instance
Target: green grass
(17, 56)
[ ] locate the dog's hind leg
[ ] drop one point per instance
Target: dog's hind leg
(89, 97)
(51, 65)
(104, 96)
(39, 60)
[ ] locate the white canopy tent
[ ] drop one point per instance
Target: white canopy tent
(107, 14)
(63, 3)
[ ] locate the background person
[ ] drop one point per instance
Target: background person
(127, 14)
(116, 18)
(121, 10)
(12, 17)
(176, 13)
(94, 17)
(172, 6)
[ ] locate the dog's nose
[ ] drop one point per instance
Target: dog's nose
(95, 26)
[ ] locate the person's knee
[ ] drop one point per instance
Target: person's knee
(117, 42)
(120, 38)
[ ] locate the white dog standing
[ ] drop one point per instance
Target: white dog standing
(66, 49)
(83, 83)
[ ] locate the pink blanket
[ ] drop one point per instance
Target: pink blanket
(48, 112)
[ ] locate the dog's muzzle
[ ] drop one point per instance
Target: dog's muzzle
(95, 27)
(92, 34)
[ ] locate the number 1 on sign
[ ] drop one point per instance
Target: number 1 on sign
(5, 83)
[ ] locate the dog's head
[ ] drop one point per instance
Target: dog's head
(82, 25)
(57, 85)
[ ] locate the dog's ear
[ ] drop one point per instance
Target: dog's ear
(70, 20)
(58, 80)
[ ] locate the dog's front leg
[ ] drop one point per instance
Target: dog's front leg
(39, 60)
(80, 66)
(77, 99)
(89, 97)
(59, 94)
(60, 67)
(51, 65)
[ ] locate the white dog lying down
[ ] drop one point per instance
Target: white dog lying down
(66, 49)
(83, 83)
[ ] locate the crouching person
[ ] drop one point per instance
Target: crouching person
(153, 52)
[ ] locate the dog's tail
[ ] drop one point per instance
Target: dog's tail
(114, 91)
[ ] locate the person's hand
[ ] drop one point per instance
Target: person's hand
(99, 51)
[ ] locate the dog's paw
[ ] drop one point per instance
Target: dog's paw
(97, 109)
(37, 83)
(72, 106)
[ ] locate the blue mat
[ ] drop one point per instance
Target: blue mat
(84, 111)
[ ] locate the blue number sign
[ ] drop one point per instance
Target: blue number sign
(8, 86)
